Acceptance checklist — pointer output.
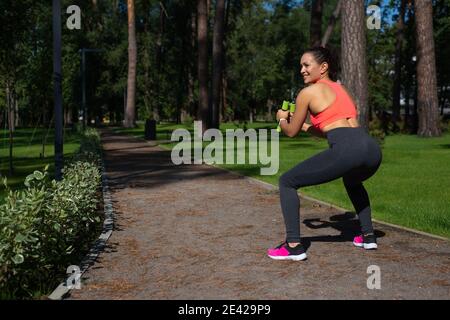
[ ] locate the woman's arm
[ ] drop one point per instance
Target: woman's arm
(312, 130)
(297, 120)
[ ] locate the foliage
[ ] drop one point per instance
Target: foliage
(45, 226)
(263, 52)
(377, 131)
(263, 42)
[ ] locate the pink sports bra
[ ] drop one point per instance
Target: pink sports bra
(341, 108)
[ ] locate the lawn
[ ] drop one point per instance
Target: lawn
(29, 155)
(411, 188)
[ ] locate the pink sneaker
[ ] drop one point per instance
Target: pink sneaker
(358, 241)
(367, 242)
(284, 252)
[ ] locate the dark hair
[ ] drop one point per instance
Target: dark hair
(322, 55)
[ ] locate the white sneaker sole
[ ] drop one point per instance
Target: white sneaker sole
(370, 246)
(294, 258)
(367, 246)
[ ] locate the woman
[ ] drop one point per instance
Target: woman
(353, 154)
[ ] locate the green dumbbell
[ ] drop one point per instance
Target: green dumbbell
(285, 107)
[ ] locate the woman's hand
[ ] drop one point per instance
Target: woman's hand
(282, 114)
(305, 126)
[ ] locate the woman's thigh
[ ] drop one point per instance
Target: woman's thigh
(323, 167)
(360, 174)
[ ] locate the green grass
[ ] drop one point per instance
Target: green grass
(411, 188)
(27, 153)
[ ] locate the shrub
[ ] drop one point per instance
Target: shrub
(379, 135)
(376, 131)
(44, 226)
(188, 120)
(445, 125)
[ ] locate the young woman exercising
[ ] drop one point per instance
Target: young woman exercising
(353, 154)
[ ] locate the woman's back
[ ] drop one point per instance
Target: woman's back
(330, 102)
(324, 96)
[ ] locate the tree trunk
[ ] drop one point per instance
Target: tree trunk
(398, 67)
(443, 99)
(147, 96)
(10, 107)
(315, 30)
(208, 8)
(132, 60)
(427, 98)
(224, 98)
(187, 48)
(269, 115)
(202, 40)
(406, 119)
(159, 60)
(415, 119)
(191, 69)
(354, 64)
(217, 62)
(16, 112)
(180, 113)
(331, 24)
(44, 136)
(191, 106)
(68, 116)
(10, 126)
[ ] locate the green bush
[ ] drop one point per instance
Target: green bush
(445, 125)
(379, 135)
(44, 227)
(376, 131)
(188, 120)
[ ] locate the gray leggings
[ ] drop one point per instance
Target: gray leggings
(353, 155)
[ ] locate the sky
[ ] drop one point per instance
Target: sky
(386, 12)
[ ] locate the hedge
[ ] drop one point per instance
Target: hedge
(45, 226)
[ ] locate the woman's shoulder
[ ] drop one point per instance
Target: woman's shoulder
(306, 91)
(315, 89)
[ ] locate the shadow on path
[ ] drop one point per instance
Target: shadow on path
(198, 232)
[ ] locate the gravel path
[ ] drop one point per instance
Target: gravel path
(198, 232)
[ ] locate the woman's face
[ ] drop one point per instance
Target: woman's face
(310, 69)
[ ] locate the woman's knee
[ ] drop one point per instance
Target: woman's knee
(285, 181)
(350, 180)
(289, 180)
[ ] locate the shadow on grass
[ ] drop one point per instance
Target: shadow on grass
(22, 137)
(22, 167)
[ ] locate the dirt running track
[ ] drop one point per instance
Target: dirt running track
(198, 232)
